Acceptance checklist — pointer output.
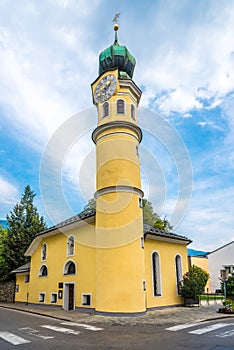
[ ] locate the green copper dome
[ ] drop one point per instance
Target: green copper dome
(117, 56)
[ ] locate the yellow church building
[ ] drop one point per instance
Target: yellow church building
(107, 260)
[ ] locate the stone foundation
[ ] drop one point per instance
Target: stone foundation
(7, 292)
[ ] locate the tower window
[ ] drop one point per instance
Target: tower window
(140, 202)
(105, 110)
(120, 107)
(133, 113)
(156, 274)
(137, 150)
(179, 274)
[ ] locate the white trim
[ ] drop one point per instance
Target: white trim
(73, 245)
(44, 294)
(66, 296)
(39, 274)
(82, 299)
(51, 294)
(44, 244)
(160, 274)
(181, 271)
(66, 263)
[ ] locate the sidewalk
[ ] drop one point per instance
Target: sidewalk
(159, 317)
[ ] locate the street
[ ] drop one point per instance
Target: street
(29, 331)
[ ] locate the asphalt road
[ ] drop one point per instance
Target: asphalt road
(19, 330)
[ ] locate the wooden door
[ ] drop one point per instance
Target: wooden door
(71, 297)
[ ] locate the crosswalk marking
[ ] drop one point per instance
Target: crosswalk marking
(209, 328)
(61, 329)
(86, 326)
(13, 339)
(35, 333)
(226, 334)
(183, 326)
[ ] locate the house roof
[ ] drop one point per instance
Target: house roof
(89, 214)
(23, 268)
(225, 245)
(198, 253)
(160, 234)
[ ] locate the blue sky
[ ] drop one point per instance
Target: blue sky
(185, 68)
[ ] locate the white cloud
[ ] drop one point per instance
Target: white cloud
(9, 193)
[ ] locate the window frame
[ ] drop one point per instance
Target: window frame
(105, 111)
(179, 272)
(44, 258)
(69, 246)
(122, 106)
(156, 274)
(40, 273)
(66, 268)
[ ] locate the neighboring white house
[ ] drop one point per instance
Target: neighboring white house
(219, 259)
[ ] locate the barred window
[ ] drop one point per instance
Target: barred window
(120, 107)
(105, 109)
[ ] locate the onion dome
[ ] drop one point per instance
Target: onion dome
(117, 56)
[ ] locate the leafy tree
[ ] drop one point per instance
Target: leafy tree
(194, 282)
(23, 223)
(153, 219)
(229, 286)
(149, 216)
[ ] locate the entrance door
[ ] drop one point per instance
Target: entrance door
(70, 296)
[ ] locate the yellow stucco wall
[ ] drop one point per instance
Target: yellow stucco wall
(201, 262)
(23, 288)
(167, 252)
(84, 259)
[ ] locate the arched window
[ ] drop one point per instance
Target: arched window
(70, 268)
(43, 272)
(133, 114)
(156, 274)
(105, 109)
(70, 246)
(179, 273)
(120, 107)
(43, 251)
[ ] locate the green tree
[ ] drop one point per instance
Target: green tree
(23, 223)
(149, 216)
(194, 282)
(229, 286)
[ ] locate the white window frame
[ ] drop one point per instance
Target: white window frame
(68, 246)
(40, 271)
(42, 251)
(84, 296)
(178, 271)
(52, 296)
(40, 298)
(66, 267)
(156, 274)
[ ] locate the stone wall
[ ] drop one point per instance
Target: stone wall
(7, 292)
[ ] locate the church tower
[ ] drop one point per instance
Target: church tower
(120, 267)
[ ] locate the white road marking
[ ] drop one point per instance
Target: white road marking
(86, 326)
(35, 332)
(13, 339)
(183, 326)
(226, 334)
(61, 329)
(209, 328)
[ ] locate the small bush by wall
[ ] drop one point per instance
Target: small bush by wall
(7, 292)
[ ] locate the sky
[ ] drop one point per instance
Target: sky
(185, 68)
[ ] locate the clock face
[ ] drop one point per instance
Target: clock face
(105, 88)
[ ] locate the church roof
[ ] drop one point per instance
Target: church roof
(22, 269)
(117, 56)
(158, 233)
